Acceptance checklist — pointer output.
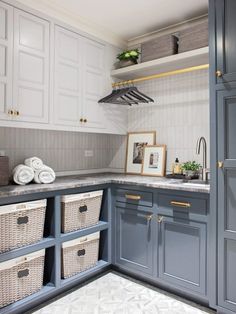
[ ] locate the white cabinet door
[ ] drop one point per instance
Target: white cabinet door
(31, 67)
(6, 47)
(67, 78)
(93, 87)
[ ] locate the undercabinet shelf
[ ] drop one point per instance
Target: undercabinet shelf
(99, 266)
(102, 225)
(43, 244)
(171, 63)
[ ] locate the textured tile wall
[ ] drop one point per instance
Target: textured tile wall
(64, 151)
(179, 115)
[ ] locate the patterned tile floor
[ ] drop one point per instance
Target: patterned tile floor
(116, 294)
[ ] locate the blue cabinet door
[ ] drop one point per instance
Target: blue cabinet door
(225, 12)
(182, 253)
(226, 107)
(133, 240)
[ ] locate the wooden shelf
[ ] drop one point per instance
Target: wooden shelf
(24, 250)
(99, 266)
(171, 63)
(102, 225)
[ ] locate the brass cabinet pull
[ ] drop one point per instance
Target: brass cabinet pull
(85, 120)
(149, 217)
(81, 120)
(10, 112)
(160, 219)
(133, 197)
(219, 73)
(220, 164)
(180, 204)
(16, 113)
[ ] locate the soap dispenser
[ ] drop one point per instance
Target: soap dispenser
(176, 167)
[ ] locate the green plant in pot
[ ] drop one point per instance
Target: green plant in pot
(191, 169)
(128, 57)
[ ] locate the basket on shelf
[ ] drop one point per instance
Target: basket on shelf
(21, 277)
(80, 210)
(194, 37)
(21, 224)
(79, 254)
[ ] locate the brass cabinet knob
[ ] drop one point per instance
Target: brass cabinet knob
(219, 73)
(10, 112)
(220, 164)
(160, 219)
(16, 113)
(149, 217)
(81, 120)
(85, 120)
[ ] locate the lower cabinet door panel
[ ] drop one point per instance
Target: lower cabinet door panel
(227, 275)
(182, 253)
(134, 240)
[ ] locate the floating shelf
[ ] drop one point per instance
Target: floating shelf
(170, 63)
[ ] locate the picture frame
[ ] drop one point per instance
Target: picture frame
(154, 160)
(136, 141)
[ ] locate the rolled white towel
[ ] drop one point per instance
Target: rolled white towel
(22, 174)
(44, 175)
(34, 162)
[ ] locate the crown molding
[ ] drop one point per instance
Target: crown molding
(54, 11)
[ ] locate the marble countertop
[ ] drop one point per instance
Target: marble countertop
(68, 182)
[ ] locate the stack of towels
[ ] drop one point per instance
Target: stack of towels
(33, 169)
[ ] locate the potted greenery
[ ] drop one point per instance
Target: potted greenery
(191, 169)
(128, 57)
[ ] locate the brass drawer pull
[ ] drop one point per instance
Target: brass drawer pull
(180, 204)
(132, 197)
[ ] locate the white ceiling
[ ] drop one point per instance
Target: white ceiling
(131, 18)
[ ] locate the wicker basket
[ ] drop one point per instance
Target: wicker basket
(80, 254)
(159, 47)
(80, 210)
(193, 37)
(21, 224)
(21, 277)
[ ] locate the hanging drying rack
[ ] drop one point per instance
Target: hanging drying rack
(159, 75)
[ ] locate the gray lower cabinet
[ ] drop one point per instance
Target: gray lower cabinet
(182, 253)
(134, 245)
(226, 105)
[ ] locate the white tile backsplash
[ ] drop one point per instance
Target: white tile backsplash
(179, 115)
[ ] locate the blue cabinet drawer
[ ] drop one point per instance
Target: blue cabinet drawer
(134, 197)
(182, 203)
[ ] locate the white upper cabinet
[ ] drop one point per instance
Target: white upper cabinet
(67, 78)
(93, 113)
(79, 80)
(31, 68)
(6, 42)
(52, 77)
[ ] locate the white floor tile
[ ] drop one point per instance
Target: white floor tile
(114, 294)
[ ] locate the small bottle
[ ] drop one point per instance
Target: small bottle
(176, 167)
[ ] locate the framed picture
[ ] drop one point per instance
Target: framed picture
(154, 160)
(136, 142)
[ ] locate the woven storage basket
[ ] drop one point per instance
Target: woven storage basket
(158, 48)
(21, 224)
(193, 37)
(80, 210)
(21, 277)
(80, 254)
